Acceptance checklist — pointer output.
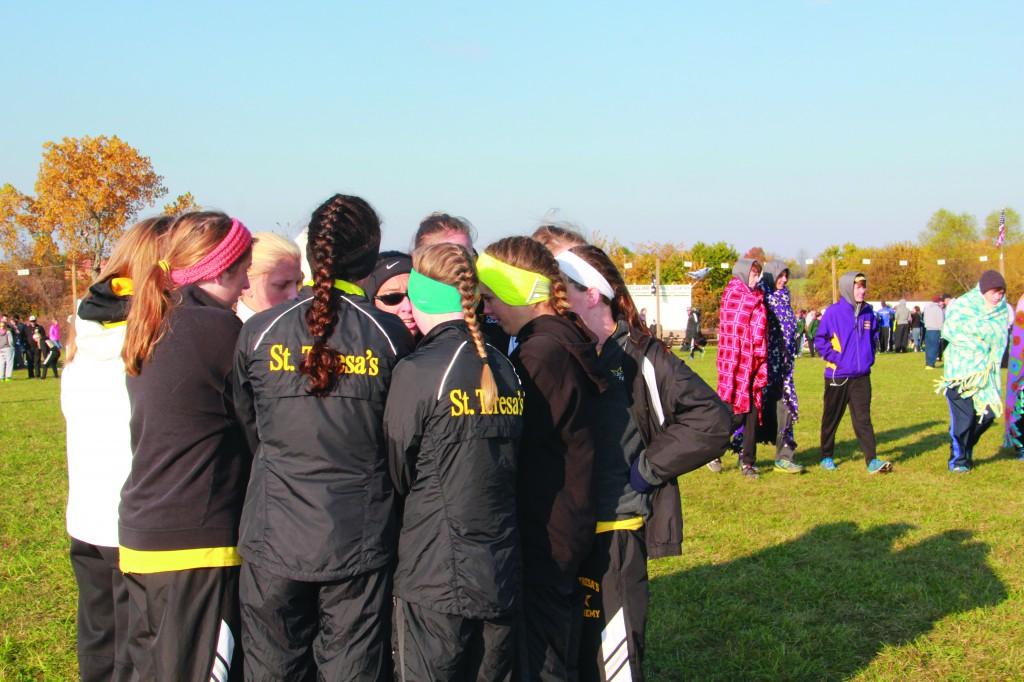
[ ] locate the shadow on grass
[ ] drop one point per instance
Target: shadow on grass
(818, 607)
(850, 449)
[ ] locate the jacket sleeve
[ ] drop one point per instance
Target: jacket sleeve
(571, 399)
(822, 340)
(698, 424)
(244, 401)
(403, 426)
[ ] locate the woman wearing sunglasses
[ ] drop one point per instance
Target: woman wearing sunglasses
(388, 285)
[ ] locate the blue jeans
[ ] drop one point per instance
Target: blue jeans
(965, 429)
(931, 346)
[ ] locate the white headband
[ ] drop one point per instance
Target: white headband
(583, 273)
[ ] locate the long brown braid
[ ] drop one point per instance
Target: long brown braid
(529, 254)
(337, 217)
(623, 307)
(452, 264)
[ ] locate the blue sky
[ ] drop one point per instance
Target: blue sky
(790, 124)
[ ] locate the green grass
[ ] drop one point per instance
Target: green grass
(37, 590)
(914, 575)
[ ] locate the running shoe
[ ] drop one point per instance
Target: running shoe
(879, 466)
(961, 469)
(788, 467)
(828, 464)
(715, 465)
(749, 471)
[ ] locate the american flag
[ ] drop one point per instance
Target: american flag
(1002, 228)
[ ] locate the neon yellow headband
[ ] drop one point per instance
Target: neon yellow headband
(514, 286)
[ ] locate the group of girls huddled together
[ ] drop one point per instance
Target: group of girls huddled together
(447, 466)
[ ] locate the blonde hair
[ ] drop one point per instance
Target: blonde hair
(269, 249)
(137, 248)
(188, 240)
(452, 264)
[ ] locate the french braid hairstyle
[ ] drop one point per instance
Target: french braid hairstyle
(528, 254)
(623, 307)
(440, 224)
(452, 264)
(344, 234)
(187, 241)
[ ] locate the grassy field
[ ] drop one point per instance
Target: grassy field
(914, 575)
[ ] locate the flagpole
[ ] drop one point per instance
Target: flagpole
(1000, 240)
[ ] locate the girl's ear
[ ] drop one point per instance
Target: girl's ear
(593, 297)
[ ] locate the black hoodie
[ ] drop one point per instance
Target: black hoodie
(104, 305)
(557, 364)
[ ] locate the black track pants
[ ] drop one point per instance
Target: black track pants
(295, 630)
(855, 392)
(550, 633)
(429, 645)
(748, 420)
(102, 643)
(183, 625)
(615, 597)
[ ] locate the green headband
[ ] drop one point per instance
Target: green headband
(430, 296)
(514, 286)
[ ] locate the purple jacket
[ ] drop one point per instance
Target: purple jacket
(846, 341)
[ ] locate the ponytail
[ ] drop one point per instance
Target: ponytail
(145, 324)
(189, 238)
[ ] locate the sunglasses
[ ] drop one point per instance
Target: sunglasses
(394, 298)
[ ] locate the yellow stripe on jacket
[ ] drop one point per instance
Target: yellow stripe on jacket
(159, 561)
(634, 523)
(837, 347)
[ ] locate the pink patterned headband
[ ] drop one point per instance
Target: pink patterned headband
(220, 259)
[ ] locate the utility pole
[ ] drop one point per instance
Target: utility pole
(74, 285)
(835, 288)
(657, 297)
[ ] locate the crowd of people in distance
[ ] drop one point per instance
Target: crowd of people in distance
(27, 345)
(317, 460)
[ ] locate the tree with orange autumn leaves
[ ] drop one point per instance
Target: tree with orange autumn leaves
(88, 191)
(183, 204)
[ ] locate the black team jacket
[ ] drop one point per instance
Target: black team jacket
(320, 504)
(190, 461)
(557, 364)
(684, 425)
(455, 465)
